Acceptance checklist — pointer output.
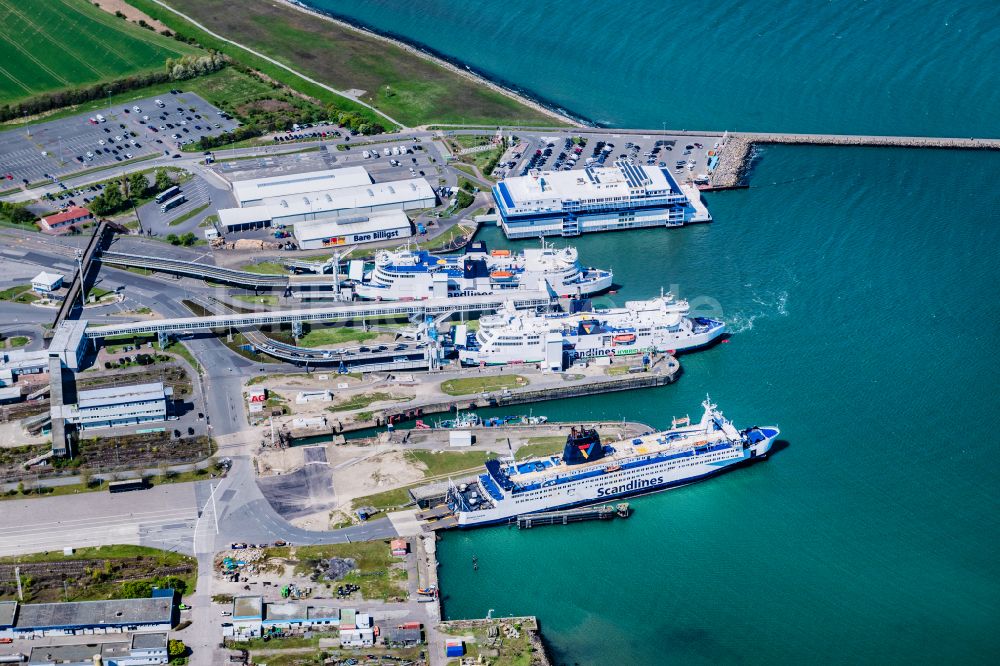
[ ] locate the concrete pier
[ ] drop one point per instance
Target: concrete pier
(604, 512)
(737, 151)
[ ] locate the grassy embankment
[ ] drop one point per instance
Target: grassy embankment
(324, 336)
(484, 161)
(408, 88)
(469, 385)
(61, 44)
(103, 572)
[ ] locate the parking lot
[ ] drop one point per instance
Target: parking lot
(102, 138)
(686, 157)
(268, 165)
(197, 193)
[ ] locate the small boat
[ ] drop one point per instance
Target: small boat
(612, 468)
(624, 338)
(461, 421)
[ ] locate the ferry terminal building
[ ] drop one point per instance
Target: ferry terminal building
(570, 203)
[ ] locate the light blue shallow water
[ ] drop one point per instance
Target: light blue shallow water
(864, 302)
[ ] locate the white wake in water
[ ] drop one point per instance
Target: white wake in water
(772, 306)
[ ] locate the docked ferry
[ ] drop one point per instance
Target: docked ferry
(410, 274)
(589, 471)
(657, 325)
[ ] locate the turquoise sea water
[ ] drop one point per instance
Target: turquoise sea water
(864, 302)
(880, 67)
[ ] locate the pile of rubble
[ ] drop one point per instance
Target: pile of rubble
(336, 568)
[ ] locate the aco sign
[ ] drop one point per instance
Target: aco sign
(257, 397)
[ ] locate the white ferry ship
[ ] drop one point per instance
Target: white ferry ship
(408, 274)
(656, 325)
(589, 471)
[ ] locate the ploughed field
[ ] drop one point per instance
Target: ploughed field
(59, 44)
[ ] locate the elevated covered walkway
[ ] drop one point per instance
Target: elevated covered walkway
(367, 310)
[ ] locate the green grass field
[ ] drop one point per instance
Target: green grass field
(408, 88)
(56, 44)
(467, 385)
(321, 337)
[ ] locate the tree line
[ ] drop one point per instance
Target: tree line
(175, 70)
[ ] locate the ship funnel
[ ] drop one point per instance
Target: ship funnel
(582, 445)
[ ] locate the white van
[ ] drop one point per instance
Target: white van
(387, 152)
(366, 154)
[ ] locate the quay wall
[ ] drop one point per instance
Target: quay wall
(736, 155)
(527, 395)
(668, 375)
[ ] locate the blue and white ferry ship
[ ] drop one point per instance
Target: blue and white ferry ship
(417, 274)
(589, 471)
(656, 325)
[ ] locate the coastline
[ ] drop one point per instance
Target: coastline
(560, 115)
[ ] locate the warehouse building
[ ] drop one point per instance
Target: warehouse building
(389, 225)
(570, 203)
(141, 650)
(258, 191)
(119, 406)
(344, 196)
(410, 194)
(252, 617)
(341, 204)
(110, 616)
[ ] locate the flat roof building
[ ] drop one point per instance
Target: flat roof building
(46, 283)
(141, 650)
(252, 616)
(389, 225)
(104, 616)
(21, 362)
(119, 406)
(242, 219)
(69, 342)
(256, 191)
(569, 203)
(322, 196)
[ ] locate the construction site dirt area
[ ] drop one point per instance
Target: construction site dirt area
(329, 484)
(347, 572)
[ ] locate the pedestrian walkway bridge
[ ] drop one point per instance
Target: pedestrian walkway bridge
(367, 310)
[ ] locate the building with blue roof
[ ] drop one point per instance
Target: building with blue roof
(570, 203)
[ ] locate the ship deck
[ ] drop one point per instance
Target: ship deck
(657, 443)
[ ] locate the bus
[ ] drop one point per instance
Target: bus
(167, 193)
(125, 486)
(172, 203)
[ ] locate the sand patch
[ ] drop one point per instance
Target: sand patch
(130, 12)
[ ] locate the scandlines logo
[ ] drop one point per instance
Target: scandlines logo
(636, 484)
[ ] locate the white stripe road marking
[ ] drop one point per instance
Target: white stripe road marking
(92, 524)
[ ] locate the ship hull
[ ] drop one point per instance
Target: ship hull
(656, 477)
(583, 347)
